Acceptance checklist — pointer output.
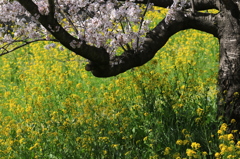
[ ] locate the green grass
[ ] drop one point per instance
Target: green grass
(51, 107)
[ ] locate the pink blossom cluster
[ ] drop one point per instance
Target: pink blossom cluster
(17, 24)
(108, 24)
(178, 5)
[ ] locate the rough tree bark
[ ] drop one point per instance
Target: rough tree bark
(228, 27)
(225, 26)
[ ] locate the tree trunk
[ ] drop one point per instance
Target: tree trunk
(229, 69)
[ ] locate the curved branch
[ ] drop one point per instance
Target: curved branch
(205, 4)
(203, 21)
(198, 4)
(101, 65)
(233, 7)
(155, 39)
(78, 46)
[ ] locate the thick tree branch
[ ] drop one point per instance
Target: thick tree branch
(101, 65)
(198, 4)
(204, 22)
(98, 55)
(156, 39)
(205, 4)
(51, 7)
(232, 7)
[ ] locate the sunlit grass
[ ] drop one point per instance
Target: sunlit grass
(51, 107)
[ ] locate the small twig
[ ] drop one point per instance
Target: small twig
(141, 23)
(68, 18)
(22, 45)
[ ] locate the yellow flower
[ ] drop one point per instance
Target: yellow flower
(217, 155)
(19, 131)
(167, 150)
(199, 111)
(223, 150)
(127, 153)
(34, 146)
(104, 152)
(185, 142)
(79, 85)
(6, 94)
(154, 157)
(182, 87)
(234, 131)
(204, 153)
(220, 132)
(238, 143)
(176, 155)
(179, 142)
(231, 156)
(223, 127)
(184, 131)
(230, 137)
(236, 93)
(223, 137)
(145, 138)
(21, 141)
(78, 139)
(222, 146)
(103, 138)
(233, 121)
(115, 146)
(197, 120)
(138, 141)
(195, 145)
(190, 152)
(145, 114)
(187, 135)
(230, 149)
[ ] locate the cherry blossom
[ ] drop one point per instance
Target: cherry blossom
(99, 23)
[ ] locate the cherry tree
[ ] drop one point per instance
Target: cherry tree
(94, 29)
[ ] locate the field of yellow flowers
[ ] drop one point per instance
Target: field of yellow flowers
(52, 108)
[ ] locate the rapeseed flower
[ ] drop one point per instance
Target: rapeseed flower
(49, 95)
(167, 151)
(190, 153)
(195, 145)
(179, 142)
(217, 155)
